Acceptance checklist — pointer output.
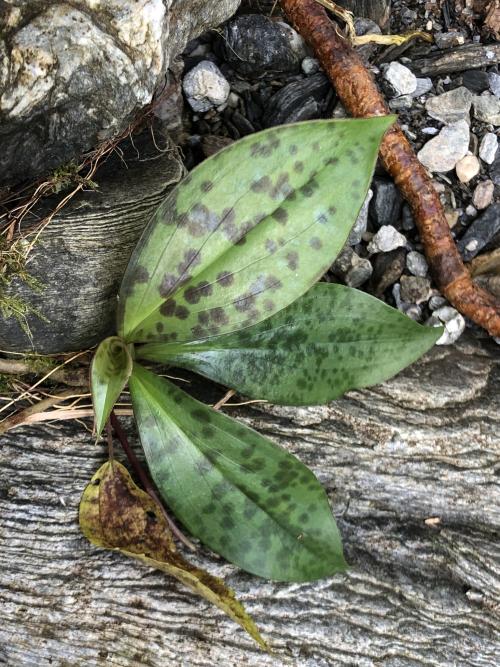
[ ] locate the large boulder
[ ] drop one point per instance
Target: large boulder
(75, 74)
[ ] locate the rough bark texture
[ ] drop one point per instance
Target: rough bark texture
(73, 74)
(424, 445)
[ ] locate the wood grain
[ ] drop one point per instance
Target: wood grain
(424, 445)
(81, 256)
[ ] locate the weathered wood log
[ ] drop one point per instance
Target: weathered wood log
(471, 56)
(81, 256)
(410, 468)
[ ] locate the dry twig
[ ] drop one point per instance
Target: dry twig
(359, 94)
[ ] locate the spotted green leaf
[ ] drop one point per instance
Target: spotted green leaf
(243, 496)
(111, 368)
(332, 339)
(248, 231)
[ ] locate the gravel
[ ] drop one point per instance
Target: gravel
(387, 238)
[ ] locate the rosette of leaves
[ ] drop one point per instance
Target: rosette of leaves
(222, 283)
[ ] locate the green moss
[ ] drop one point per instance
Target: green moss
(13, 265)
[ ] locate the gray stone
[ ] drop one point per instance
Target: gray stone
(356, 233)
(494, 81)
(444, 151)
(417, 264)
(495, 169)
(387, 238)
(415, 289)
(254, 45)
(487, 108)
(476, 80)
(387, 269)
(446, 40)
(303, 99)
(483, 195)
(386, 205)
(402, 79)
(454, 324)
(401, 103)
(424, 86)
(205, 87)
(75, 74)
(450, 107)
(436, 302)
(488, 147)
(482, 230)
(310, 66)
(351, 268)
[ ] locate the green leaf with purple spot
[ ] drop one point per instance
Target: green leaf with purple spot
(249, 230)
(243, 496)
(332, 339)
(110, 370)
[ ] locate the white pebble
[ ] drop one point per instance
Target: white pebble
(467, 168)
(401, 78)
(488, 148)
(386, 239)
(417, 264)
(205, 87)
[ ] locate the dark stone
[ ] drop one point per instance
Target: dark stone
(300, 100)
(476, 81)
(386, 204)
(494, 169)
(481, 233)
(387, 269)
(254, 45)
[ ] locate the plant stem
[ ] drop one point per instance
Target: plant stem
(144, 479)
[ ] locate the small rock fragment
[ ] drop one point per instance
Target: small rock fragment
(351, 268)
(476, 81)
(488, 147)
(255, 45)
(303, 99)
(387, 269)
(494, 81)
(417, 264)
(310, 65)
(454, 324)
(495, 169)
(205, 87)
(424, 85)
(482, 230)
(467, 168)
(386, 205)
(444, 151)
(450, 107)
(487, 108)
(436, 302)
(483, 195)
(402, 79)
(387, 238)
(356, 233)
(415, 289)
(445, 40)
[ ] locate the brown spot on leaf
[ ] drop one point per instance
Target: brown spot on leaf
(225, 278)
(280, 215)
(261, 185)
(167, 309)
(292, 260)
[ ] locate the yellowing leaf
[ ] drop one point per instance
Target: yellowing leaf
(116, 514)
